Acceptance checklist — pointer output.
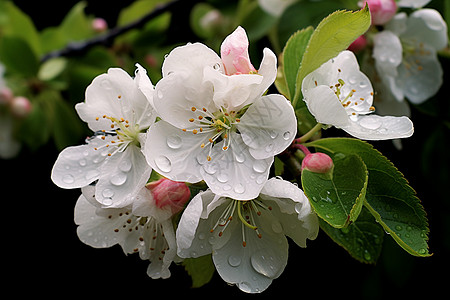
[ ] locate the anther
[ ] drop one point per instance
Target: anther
(193, 108)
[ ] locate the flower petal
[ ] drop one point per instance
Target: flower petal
(252, 267)
(373, 127)
(421, 76)
(427, 26)
(234, 172)
(174, 153)
(78, 166)
(175, 100)
(269, 126)
(122, 176)
(108, 94)
(193, 230)
(387, 52)
(324, 106)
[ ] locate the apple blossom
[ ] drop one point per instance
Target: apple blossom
(339, 94)
(140, 228)
(119, 114)
(247, 238)
(405, 54)
(217, 127)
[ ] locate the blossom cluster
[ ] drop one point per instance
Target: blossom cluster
(211, 120)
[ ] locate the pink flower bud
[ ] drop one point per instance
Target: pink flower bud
(168, 193)
(99, 25)
(20, 106)
(234, 53)
(317, 163)
(359, 44)
(381, 10)
(6, 95)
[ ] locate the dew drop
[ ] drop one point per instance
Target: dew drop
(239, 189)
(82, 162)
(68, 179)
(286, 135)
(240, 157)
(107, 201)
(174, 141)
(234, 261)
(163, 163)
(260, 166)
(266, 263)
(108, 193)
(118, 179)
(245, 287)
(367, 255)
(269, 148)
(261, 179)
(222, 177)
(369, 123)
(125, 165)
(273, 134)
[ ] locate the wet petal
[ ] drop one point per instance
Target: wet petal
(234, 172)
(373, 127)
(174, 153)
(269, 126)
(121, 177)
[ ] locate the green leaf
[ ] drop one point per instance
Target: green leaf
(363, 239)
(333, 35)
(292, 57)
(339, 199)
(200, 269)
(52, 68)
(77, 25)
(20, 25)
(18, 56)
(389, 198)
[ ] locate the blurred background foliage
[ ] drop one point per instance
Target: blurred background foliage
(47, 252)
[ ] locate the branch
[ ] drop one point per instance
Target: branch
(76, 48)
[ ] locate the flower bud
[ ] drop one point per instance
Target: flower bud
(20, 106)
(6, 95)
(99, 25)
(318, 163)
(381, 10)
(168, 193)
(359, 44)
(234, 53)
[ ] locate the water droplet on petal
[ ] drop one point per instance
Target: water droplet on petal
(118, 179)
(163, 163)
(286, 135)
(234, 261)
(108, 193)
(125, 165)
(239, 189)
(222, 177)
(68, 179)
(174, 141)
(369, 123)
(269, 148)
(267, 264)
(107, 201)
(260, 166)
(82, 162)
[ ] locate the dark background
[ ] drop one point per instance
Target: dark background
(44, 257)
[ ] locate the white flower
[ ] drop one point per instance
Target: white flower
(217, 127)
(405, 54)
(412, 3)
(247, 239)
(339, 94)
(275, 7)
(142, 228)
(119, 114)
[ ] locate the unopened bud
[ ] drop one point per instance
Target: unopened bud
(6, 95)
(318, 163)
(20, 106)
(234, 53)
(382, 11)
(168, 193)
(99, 25)
(359, 44)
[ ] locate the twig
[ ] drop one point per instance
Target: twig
(76, 48)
